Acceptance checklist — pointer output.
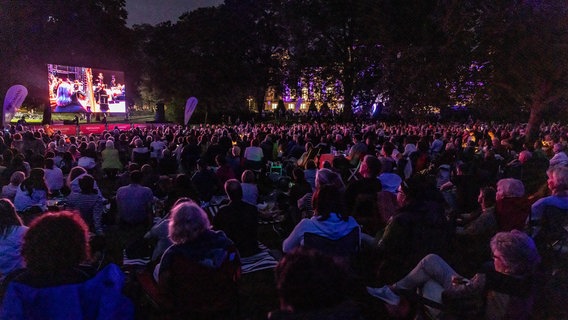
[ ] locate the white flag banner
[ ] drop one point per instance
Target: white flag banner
(13, 101)
(189, 108)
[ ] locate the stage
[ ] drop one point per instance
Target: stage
(96, 128)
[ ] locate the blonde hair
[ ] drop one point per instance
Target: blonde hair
(236, 151)
(188, 221)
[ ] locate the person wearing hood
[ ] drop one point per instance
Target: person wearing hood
(329, 219)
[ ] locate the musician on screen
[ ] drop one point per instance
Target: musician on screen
(67, 100)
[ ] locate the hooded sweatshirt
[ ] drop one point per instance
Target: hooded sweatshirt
(333, 228)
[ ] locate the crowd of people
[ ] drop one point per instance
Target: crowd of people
(419, 197)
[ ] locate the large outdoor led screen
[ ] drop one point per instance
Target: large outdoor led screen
(81, 89)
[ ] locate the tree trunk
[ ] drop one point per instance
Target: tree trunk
(535, 119)
(259, 100)
(537, 110)
(347, 114)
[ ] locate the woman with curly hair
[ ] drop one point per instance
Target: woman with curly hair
(12, 232)
(56, 283)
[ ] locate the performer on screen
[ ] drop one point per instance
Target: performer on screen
(66, 100)
(88, 114)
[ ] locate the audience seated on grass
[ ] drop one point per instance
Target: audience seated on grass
(467, 147)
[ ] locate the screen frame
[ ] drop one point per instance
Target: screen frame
(75, 89)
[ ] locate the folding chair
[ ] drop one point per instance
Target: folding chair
(325, 157)
(346, 246)
(354, 172)
(552, 238)
(344, 250)
(196, 291)
(275, 167)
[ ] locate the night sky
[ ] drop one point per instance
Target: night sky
(156, 11)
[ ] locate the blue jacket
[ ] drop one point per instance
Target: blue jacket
(97, 298)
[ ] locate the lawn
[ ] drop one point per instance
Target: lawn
(136, 117)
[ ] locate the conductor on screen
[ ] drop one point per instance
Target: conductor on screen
(67, 100)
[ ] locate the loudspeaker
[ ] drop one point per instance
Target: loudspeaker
(160, 113)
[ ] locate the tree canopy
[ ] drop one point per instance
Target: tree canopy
(504, 59)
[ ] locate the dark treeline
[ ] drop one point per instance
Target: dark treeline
(507, 60)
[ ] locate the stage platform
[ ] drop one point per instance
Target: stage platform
(96, 128)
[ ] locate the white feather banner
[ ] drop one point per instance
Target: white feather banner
(13, 101)
(190, 106)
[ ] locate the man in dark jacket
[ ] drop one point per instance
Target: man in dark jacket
(239, 220)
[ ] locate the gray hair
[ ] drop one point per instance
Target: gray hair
(510, 188)
(560, 176)
(327, 177)
(188, 221)
(109, 144)
(236, 151)
(518, 251)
